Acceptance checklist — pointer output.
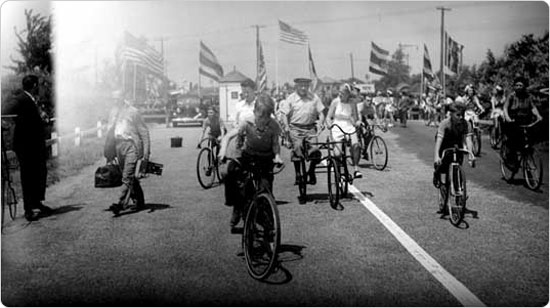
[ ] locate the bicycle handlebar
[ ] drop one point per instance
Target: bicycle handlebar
(279, 166)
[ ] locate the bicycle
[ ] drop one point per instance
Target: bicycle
(9, 198)
(455, 188)
(495, 135)
(374, 145)
(471, 116)
(262, 227)
(529, 160)
(208, 163)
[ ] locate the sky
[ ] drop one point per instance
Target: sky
(87, 32)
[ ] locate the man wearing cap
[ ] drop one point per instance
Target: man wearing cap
(300, 112)
(132, 144)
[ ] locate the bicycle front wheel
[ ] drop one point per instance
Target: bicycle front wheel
(333, 181)
(378, 153)
(205, 168)
(476, 140)
(532, 170)
(261, 236)
(494, 136)
(458, 193)
(505, 168)
(302, 184)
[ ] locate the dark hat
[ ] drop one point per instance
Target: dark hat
(302, 80)
(248, 83)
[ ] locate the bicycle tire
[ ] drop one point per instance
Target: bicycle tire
(494, 137)
(457, 190)
(532, 170)
(378, 147)
(205, 172)
(302, 184)
(216, 163)
(507, 173)
(261, 236)
(333, 179)
(345, 178)
(9, 200)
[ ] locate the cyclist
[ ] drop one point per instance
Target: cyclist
(300, 112)
(453, 131)
(471, 101)
(258, 138)
(519, 109)
(497, 104)
(343, 112)
(390, 108)
(215, 126)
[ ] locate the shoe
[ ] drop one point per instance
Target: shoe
(357, 175)
(436, 181)
(312, 180)
(235, 217)
(29, 216)
(444, 211)
(115, 208)
(302, 200)
(338, 207)
(45, 209)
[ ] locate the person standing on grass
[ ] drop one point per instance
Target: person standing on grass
(30, 145)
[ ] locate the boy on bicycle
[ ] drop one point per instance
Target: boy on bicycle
(215, 126)
(453, 131)
(258, 138)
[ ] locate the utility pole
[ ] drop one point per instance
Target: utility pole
(442, 58)
(351, 61)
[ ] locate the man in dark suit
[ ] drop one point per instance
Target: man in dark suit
(29, 145)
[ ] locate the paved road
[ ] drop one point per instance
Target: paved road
(388, 249)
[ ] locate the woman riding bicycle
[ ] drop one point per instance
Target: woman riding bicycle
(258, 138)
(453, 131)
(343, 112)
(519, 109)
(471, 101)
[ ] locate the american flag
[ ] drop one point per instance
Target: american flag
(378, 60)
(261, 79)
(292, 35)
(312, 71)
(453, 55)
(209, 65)
(427, 67)
(137, 51)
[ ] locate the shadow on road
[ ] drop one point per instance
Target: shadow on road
(148, 206)
(287, 253)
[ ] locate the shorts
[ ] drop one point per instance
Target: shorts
(297, 135)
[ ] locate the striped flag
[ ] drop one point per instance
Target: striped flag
(138, 52)
(312, 71)
(453, 55)
(292, 35)
(378, 60)
(427, 67)
(261, 78)
(209, 65)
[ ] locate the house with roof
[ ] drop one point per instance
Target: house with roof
(230, 93)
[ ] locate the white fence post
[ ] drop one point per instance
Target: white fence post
(99, 131)
(77, 137)
(55, 142)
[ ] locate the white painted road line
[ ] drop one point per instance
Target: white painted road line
(457, 289)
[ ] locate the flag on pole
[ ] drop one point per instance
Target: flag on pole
(209, 65)
(453, 55)
(378, 60)
(261, 78)
(427, 67)
(292, 35)
(137, 51)
(312, 71)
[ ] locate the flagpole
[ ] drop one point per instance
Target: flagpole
(442, 61)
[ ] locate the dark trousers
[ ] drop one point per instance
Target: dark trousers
(32, 165)
(127, 158)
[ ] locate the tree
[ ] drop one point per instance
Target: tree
(398, 72)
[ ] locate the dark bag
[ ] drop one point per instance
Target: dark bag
(109, 151)
(108, 176)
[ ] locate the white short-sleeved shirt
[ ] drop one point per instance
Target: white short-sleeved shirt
(243, 111)
(302, 111)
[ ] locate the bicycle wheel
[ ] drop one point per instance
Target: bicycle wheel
(457, 191)
(205, 168)
(216, 163)
(345, 178)
(333, 180)
(302, 185)
(505, 169)
(261, 236)
(476, 140)
(9, 200)
(532, 170)
(494, 136)
(378, 153)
